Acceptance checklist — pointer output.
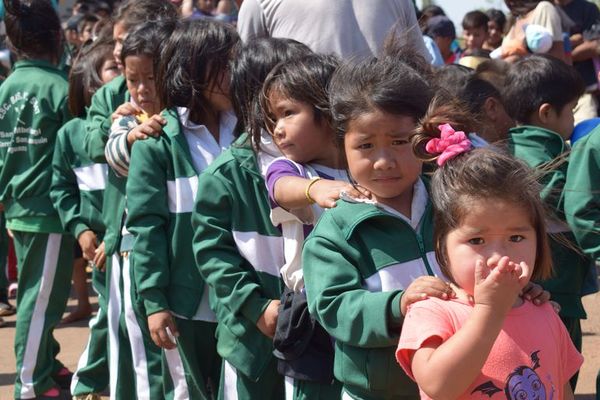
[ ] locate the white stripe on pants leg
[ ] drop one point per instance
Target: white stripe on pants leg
(114, 311)
(177, 372)
(136, 339)
(229, 382)
(289, 388)
(38, 317)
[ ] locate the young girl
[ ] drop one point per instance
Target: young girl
(140, 56)
(298, 116)
(34, 106)
(490, 240)
(99, 120)
(367, 260)
(77, 189)
(161, 187)
(237, 249)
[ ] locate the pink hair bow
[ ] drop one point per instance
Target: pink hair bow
(450, 144)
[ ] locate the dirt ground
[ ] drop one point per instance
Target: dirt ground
(73, 337)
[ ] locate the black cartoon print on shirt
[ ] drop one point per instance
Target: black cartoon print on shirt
(522, 384)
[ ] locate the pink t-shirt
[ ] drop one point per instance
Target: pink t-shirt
(533, 356)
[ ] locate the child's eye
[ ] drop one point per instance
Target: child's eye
(476, 241)
(287, 113)
(516, 238)
(365, 146)
(399, 142)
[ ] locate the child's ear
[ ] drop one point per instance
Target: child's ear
(544, 112)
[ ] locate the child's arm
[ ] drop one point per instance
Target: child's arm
(222, 266)
(289, 188)
(292, 192)
(444, 370)
(568, 392)
(582, 202)
(123, 133)
(64, 193)
(98, 122)
(147, 220)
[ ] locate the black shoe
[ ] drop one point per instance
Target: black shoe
(6, 309)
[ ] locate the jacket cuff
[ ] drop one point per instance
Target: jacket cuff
(78, 228)
(154, 301)
(395, 317)
(254, 307)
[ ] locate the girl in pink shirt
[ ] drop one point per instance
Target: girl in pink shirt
(490, 235)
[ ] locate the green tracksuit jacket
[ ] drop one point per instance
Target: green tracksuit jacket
(104, 102)
(77, 182)
(538, 148)
(357, 262)
(582, 199)
(33, 106)
(239, 253)
(160, 198)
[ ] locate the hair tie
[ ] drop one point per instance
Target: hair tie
(450, 144)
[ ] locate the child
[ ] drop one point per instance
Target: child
(496, 26)
(541, 93)
(237, 249)
(490, 239)
(475, 31)
(140, 55)
(34, 107)
(365, 261)
(99, 120)
(441, 29)
(161, 186)
(298, 116)
(77, 188)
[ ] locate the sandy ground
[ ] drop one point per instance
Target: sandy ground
(73, 337)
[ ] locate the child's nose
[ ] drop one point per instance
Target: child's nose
(384, 160)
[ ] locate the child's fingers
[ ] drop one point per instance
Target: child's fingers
(482, 271)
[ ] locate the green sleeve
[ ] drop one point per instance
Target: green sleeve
(64, 191)
(221, 265)
(98, 124)
(148, 220)
(582, 199)
(338, 300)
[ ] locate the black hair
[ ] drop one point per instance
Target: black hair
(250, 65)
(498, 17)
(132, 13)
(432, 11)
(84, 77)
(452, 77)
(377, 84)
(147, 39)
(519, 8)
(304, 80)
(475, 19)
(194, 59)
(33, 29)
(85, 19)
(538, 79)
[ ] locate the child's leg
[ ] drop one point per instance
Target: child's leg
(44, 262)
(92, 370)
(84, 308)
(236, 386)
(5, 308)
(147, 356)
(121, 382)
(192, 370)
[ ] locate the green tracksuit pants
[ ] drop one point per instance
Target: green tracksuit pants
(92, 370)
(236, 386)
(306, 390)
(192, 369)
(3, 257)
(45, 263)
(146, 356)
(121, 380)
